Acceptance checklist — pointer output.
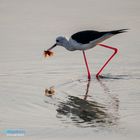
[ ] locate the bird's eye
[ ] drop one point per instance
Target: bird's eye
(57, 40)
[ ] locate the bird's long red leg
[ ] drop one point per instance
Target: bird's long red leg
(88, 71)
(115, 51)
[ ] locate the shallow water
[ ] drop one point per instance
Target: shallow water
(104, 108)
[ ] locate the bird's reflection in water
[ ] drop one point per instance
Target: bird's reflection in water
(84, 113)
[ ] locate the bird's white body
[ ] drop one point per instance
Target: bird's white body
(73, 45)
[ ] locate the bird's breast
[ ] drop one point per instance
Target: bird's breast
(74, 45)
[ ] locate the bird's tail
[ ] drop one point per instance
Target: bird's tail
(118, 31)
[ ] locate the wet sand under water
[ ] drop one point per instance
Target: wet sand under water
(72, 108)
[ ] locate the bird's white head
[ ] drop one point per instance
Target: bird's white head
(60, 41)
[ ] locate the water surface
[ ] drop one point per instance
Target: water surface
(104, 108)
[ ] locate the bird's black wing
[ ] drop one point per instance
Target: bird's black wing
(85, 37)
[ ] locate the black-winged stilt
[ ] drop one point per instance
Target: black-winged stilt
(85, 40)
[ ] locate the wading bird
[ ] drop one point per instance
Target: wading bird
(85, 40)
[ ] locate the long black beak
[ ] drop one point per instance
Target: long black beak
(52, 47)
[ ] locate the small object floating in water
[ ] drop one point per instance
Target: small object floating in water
(48, 53)
(49, 92)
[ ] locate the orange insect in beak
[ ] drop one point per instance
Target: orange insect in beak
(48, 52)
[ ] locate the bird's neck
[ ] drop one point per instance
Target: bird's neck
(66, 44)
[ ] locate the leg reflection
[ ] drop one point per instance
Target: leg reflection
(113, 100)
(87, 90)
(85, 112)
